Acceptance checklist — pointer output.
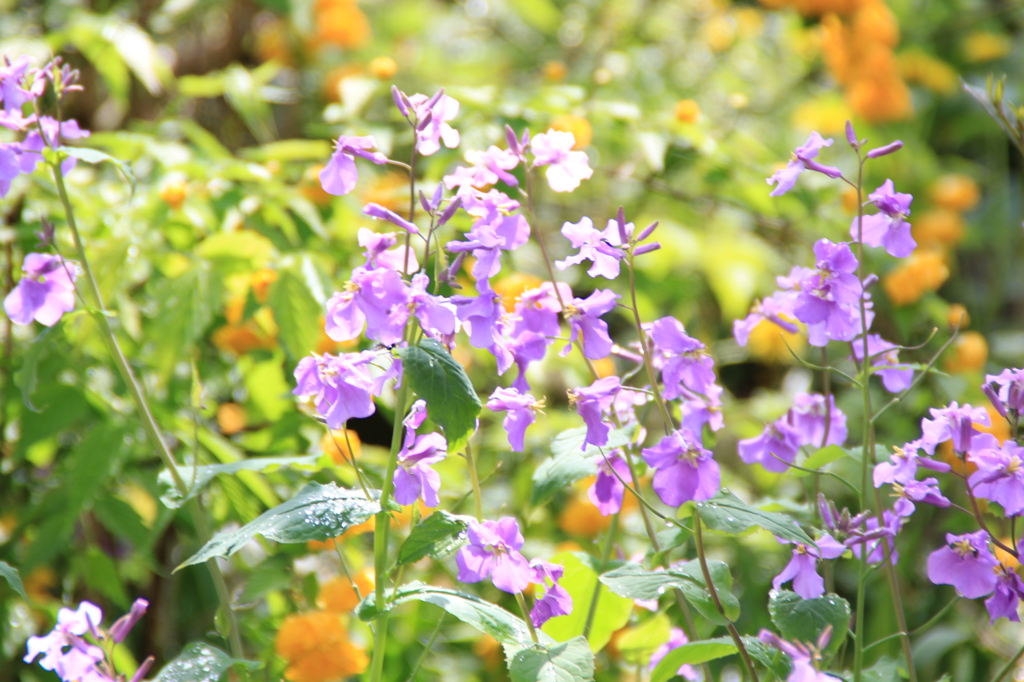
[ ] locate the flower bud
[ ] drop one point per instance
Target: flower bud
(647, 248)
(435, 99)
(620, 221)
(647, 231)
(851, 136)
(140, 674)
(887, 149)
(400, 101)
(454, 206)
(513, 141)
(120, 629)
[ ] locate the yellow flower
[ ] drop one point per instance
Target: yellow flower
(768, 341)
(955, 191)
(382, 67)
(827, 115)
(934, 74)
(317, 648)
(924, 271)
(555, 70)
(577, 125)
(687, 111)
(983, 46)
(970, 351)
(231, 418)
(340, 596)
(719, 32)
(938, 226)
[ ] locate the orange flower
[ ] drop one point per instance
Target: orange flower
(955, 191)
(272, 40)
(317, 648)
(687, 111)
(488, 650)
(970, 351)
(876, 22)
(231, 418)
(311, 188)
(242, 339)
(958, 317)
(337, 446)
(383, 68)
(390, 190)
(924, 271)
(342, 23)
(260, 282)
(341, 596)
(938, 226)
(577, 125)
(555, 70)
(174, 193)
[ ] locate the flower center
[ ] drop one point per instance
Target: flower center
(964, 548)
(1014, 466)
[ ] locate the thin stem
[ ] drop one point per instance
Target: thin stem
(1009, 665)
(826, 389)
(428, 648)
(474, 479)
(858, 652)
(526, 617)
(645, 350)
(920, 377)
(606, 552)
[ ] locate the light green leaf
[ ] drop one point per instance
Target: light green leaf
(96, 156)
(438, 379)
(823, 456)
(886, 670)
(570, 661)
(803, 620)
(200, 662)
(288, 150)
(437, 536)
(541, 14)
(198, 477)
(635, 582)
(296, 312)
(569, 462)
(13, 578)
(236, 252)
(639, 642)
(694, 652)
(729, 514)
(185, 307)
(26, 378)
(483, 615)
(318, 512)
(579, 580)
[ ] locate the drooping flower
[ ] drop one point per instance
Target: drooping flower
(339, 176)
(556, 600)
(607, 491)
(1000, 474)
(1008, 594)
(492, 552)
(592, 403)
(889, 227)
(895, 377)
(413, 476)
(803, 159)
(432, 115)
(926, 491)
(965, 563)
(902, 465)
(436, 314)
(676, 639)
(45, 292)
(521, 409)
(686, 369)
(1006, 391)
(802, 567)
(684, 469)
(597, 246)
(378, 212)
(566, 168)
(585, 323)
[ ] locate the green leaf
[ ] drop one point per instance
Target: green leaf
(570, 462)
(541, 14)
(770, 657)
(694, 652)
(186, 306)
(438, 379)
(288, 150)
(483, 615)
(437, 536)
(729, 514)
(200, 662)
(638, 643)
(296, 312)
(824, 456)
(236, 252)
(27, 376)
(633, 581)
(803, 620)
(197, 477)
(570, 661)
(318, 512)
(886, 670)
(96, 156)
(579, 580)
(13, 578)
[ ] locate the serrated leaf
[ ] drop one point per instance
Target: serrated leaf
(196, 478)
(437, 536)
(569, 462)
(803, 620)
(692, 653)
(579, 580)
(13, 578)
(633, 581)
(483, 615)
(570, 661)
(296, 312)
(200, 662)
(439, 380)
(729, 514)
(318, 512)
(822, 457)
(96, 156)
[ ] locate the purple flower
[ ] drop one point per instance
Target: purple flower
(493, 551)
(965, 563)
(339, 176)
(591, 403)
(488, 237)
(341, 387)
(12, 94)
(597, 246)
(123, 625)
(556, 601)
(607, 491)
(902, 466)
(778, 441)
(829, 296)
(1007, 597)
(63, 649)
(53, 131)
(488, 167)
(687, 370)
(806, 658)
(1008, 394)
(1000, 474)
(676, 639)
(926, 491)
(45, 292)
(808, 419)
(785, 179)
(877, 542)
(378, 212)
(802, 568)
(376, 298)
(584, 317)
(566, 168)
(777, 309)
(413, 477)
(952, 422)
(436, 314)
(895, 377)
(432, 115)
(888, 228)
(480, 316)
(378, 251)
(684, 469)
(521, 411)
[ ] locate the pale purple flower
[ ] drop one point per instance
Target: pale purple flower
(952, 422)
(607, 491)
(965, 563)
(436, 314)
(488, 237)
(592, 403)
(830, 295)
(877, 542)
(676, 639)
(802, 567)
(341, 387)
(378, 251)
(1008, 392)
(902, 465)
(521, 410)
(12, 94)
(493, 551)
(584, 317)
(63, 649)
(556, 600)
(597, 246)
(778, 441)
(808, 419)
(566, 168)
(1007, 596)
(480, 316)
(895, 377)
(413, 477)
(339, 176)
(123, 625)
(378, 212)
(1000, 474)
(46, 290)
(432, 131)
(907, 494)
(777, 309)
(687, 370)
(376, 298)
(487, 168)
(802, 159)
(53, 131)
(889, 227)
(684, 469)
(806, 658)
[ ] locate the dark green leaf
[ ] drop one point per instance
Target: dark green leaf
(296, 312)
(803, 620)
(729, 514)
(633, 581)
(318, 512)
(570, 661)
(483, 615)
(570, 462)
(200, 662)
(196, 478)
(437, 536)
(694, 652)
(272, 574)
(886, 670)
(825, 455)
(13, 578)
(438, 379)
(770, 657)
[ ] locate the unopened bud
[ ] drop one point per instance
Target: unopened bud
(425, 121)
(513, 141)
(435, 99)
(647, 231)
(851, 136)
(620, 221)
(454, 206)
(400, 101)
(140, 674)
(647, 248)
(424, 203)
(887, 149)
(120, 629)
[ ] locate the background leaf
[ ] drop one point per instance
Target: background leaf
(579, 580)
(692, 653)
(569, 462)
(635, 582)
(570, 661)
(13, 578)
(437, 536)
(803, 620)
(200, 662)
(729, 514)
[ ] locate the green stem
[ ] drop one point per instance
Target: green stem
(148, 421)
(526, 617)
(1009, 665)
(474, 478)
(606, 552)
